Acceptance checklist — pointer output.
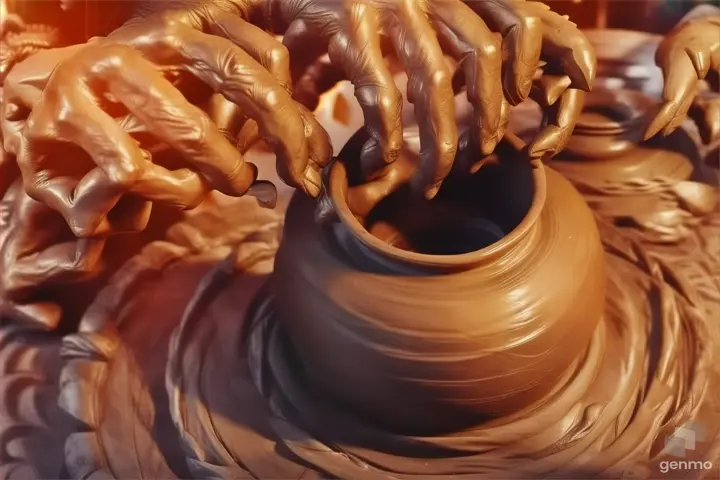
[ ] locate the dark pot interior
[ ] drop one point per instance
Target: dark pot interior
(469, 213)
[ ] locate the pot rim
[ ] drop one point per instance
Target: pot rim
(337, 192)
(639, 104)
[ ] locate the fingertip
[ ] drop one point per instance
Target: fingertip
(582, 68)
(546, 143)
(489, 144)
(240, 179)
(312, 182)
(660, 121)
(700, 61)
(432, 191)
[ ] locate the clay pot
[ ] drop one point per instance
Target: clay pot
(473, 306)
(611, 124)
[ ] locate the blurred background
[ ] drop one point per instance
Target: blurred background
(655, 16)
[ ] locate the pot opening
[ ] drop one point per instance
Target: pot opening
(467, 215)
(604, 114)
(611, 110)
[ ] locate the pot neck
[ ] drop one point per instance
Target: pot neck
(356, 244)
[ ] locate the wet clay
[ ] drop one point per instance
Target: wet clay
(434, 322)
(185, 366)
(660, 192)
(242, 395)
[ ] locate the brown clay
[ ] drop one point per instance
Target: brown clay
(242, 405)
(605, 379)
(661, 187)
(422, 339)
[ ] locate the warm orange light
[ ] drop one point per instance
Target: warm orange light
(3, 10)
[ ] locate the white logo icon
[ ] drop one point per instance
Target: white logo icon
(684, 439)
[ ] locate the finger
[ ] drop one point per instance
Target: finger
(68, 262)
(700, 40)
(319, 150)
(560, 120)
(182, 126)
(120, 159)
(242, 80)
(227, 116)
(261, 46)
(183, 188)
(429, 81)
(563, 44)
(305, 47)
(37, 251)
(356, 50)
(548, 89)
(477, 49)
(681, 81)
(705, 112)
(522, 36)
(319, 78)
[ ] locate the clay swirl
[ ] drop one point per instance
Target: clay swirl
(649, 368)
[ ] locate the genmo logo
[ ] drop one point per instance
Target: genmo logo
(682, 441)
(686, 465)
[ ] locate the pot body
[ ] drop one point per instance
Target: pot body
(423, 350)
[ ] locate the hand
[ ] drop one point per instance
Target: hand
(93, 85)
(687, 55)
(37, 251)
(351, 32)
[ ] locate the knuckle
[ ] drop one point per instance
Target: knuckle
(38, 129)
(440, 78)
(80, 230)
(390, 99)
(194, 136)
(394, 145)
(489, 51)
(33, 189)
(171, 39)
(529, 22)
(447, 148)
(272, 97)
(125, 174)
(111, 58)
(278, 57)
(169, 21)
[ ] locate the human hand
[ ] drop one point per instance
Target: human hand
(688, 55)
(352, 31)
(94, 85)
(38, 252)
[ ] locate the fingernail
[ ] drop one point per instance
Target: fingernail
(488, 145)
(699, 61)
(525, 88)
(651, 132)
(542, 145)
(312, 182)
(432, 191)
(477, 166)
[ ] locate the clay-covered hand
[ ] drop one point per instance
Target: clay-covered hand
(568, 68)
(93, 94)
(475, 33)
(688, 55)
(37, 251)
